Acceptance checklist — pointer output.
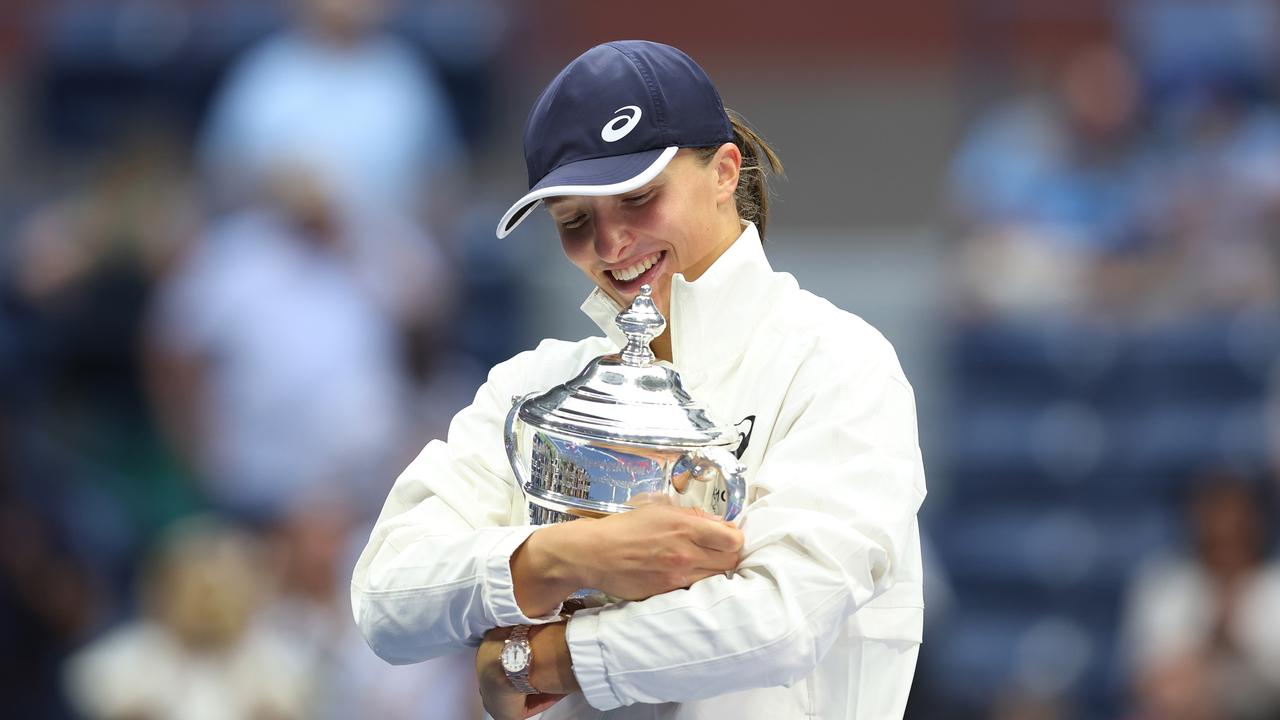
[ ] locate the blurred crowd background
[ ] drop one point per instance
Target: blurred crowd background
(247, 270)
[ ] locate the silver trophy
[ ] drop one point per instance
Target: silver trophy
(623, 433)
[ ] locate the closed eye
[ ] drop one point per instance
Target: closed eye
(640, 199)
(574, 222)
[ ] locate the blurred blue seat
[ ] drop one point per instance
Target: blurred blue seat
(1067, 448)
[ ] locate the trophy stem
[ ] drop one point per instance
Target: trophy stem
(641, 323)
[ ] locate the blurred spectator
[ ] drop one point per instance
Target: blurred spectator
(1082, 203)
(1219, 217)
(1044, 185)
(342, 101)
(1201, 629)
(279, 371)
(466, 39)
(195, 653)
(337, 128)
(1187, 46)
(48, 601)
(315, 546)
(87, 450)
(83, 269)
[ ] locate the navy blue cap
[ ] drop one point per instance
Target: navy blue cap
(613, 119)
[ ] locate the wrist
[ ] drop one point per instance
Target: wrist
(544, 571)
(552, 669)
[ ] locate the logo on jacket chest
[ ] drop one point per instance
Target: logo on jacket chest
(745, 427)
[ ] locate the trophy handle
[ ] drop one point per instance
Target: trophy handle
(509, 438)
(719, 466)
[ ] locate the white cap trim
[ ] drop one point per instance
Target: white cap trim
(536, 196)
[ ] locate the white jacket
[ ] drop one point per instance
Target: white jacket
(823, 618)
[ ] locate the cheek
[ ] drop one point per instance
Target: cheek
(684, 232)
(577, 250)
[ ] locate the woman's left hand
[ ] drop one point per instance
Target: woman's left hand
(500, 698)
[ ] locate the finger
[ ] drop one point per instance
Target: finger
(715, 561)
(717, 536)
(504, 705)
(540, 702)
(699, 575)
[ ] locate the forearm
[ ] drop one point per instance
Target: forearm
(646, 552)
(437, 594)
(720, 636)
(445, 589)
(768, 625)
(542, 573)
(435, 574)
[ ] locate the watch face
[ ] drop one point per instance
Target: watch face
(515, 656)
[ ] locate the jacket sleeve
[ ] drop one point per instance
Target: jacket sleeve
(834, 526)
(436, 574)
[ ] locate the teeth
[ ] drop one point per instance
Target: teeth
(631, 273)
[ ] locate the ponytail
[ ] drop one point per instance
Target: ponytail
(758, 162)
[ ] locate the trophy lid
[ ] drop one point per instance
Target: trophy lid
(627, 397)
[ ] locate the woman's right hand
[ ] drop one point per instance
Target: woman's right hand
(655, 549)
(647, 551)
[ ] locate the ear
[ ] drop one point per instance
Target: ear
(727, 163)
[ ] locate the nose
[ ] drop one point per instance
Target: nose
(613, 240)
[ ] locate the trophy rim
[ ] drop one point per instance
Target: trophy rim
(607, 432)
(601, 402)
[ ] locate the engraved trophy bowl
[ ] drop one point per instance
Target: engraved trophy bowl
(623, 433)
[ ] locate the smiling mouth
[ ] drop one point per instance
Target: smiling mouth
(629, 279)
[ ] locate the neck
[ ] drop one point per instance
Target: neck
(661, 346)
(731, 230)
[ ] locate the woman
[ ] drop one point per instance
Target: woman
(650, 182)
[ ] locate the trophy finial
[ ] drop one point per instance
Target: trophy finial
(641, 323)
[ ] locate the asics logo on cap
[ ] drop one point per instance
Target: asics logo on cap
(613, 132)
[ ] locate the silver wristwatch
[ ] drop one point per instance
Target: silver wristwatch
(517, 659)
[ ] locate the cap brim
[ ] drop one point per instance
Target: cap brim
(596, 176)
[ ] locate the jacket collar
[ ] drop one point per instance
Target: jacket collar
(711, 319)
